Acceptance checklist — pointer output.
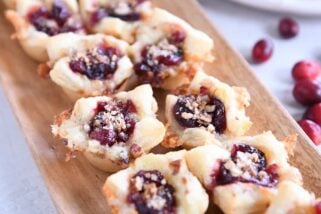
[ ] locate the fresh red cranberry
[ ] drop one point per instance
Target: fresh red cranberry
(314, 113)
(200, 111)
(100, 63)
(318, 208)
(312, 129)
(256, 168)
(114, 122)
(306, 69)
(148, 185)
(288, 27)
(262, 50)
(307, 92)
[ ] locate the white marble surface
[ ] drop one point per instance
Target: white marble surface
(22, 189)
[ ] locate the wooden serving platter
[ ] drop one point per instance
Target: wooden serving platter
(75, 186)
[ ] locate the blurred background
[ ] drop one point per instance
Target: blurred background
(242, 26)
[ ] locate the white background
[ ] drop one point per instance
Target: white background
(21, 187)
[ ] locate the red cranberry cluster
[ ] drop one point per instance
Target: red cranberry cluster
(114, 122)
(307, 91)
(55, 21)
(248, 165)
(98, 63)
(151, 194)
(263, 49)
(200, 110)
(157, 58)
(125, 10)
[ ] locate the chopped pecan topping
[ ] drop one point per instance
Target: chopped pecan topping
(98, 63)
(113, 123)
(247, 164)
(158, 58)
(151, 193)
(200, 110)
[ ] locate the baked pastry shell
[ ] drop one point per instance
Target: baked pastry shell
(190, 196)
(148, 131)
(235, 100)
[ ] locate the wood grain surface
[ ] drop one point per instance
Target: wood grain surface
(75, 186)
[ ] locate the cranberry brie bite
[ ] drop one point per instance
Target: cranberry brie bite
(36, 21)
(112, 131)
(118, 18)
(88, 65)
(245, 177)
(206, 111)
(156, 183)
(168, 50)
(293, 198)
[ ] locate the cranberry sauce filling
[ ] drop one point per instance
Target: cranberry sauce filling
(200, 110)
(157, 58)
(248, 165)
(125, 10)
(151, 194)
(55, 21)
(98, 63)
(113, 123)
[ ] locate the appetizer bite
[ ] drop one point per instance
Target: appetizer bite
(35, 21)
(168, 50)
(293, 198)
(88, 65)
(206, 111)
(245, 177)
(112, 131)
(118, 18)
(156, 183)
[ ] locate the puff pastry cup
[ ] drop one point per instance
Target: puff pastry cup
(36, 21)
(244, 177)
(119, 18)
(294, 199)
(207, 108)
(156, 183)
(112, 131)
(168, 50)
(88, 65)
